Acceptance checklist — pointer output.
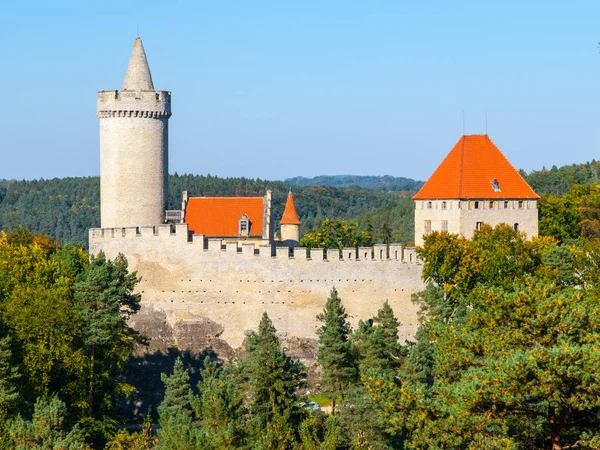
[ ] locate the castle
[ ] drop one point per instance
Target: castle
(209, 274)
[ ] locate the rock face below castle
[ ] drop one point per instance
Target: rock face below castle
(198, 294)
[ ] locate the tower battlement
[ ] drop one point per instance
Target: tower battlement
(143, 104)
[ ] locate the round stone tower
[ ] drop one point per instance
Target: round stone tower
(134, 147)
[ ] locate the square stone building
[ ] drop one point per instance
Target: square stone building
(474, 184)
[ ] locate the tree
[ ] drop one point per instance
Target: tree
(8, 379)
(335, 355)
(519, 370)
(105, 300)
(179, 428)
(273, 380)
(47, 429)
(337, 234)
(378, 351)
(220, 408)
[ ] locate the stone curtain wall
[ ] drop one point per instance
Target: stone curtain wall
(198, 292)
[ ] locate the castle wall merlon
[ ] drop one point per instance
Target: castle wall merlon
(282, 252)
(333, 254)
(365, 253)
(178, 238)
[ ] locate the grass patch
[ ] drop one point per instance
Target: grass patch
(320, 399)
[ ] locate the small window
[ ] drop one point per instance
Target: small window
(516, 226)
(444, 225)
(429, 204)
(491, 204)
(427, 226)
(520, 204)
(495, 185)
(459, 204)
(478, 225)
(476, 205)
(244, 226)
(444, 205)
(505, 204)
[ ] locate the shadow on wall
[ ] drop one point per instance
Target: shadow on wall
(143, 372)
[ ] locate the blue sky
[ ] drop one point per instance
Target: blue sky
(279, 89)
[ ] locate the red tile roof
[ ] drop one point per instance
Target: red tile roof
(471, 169)
(219, 216)
(290, 216)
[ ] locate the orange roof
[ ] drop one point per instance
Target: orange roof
(219, 216)
(475, 168)
(290, 216)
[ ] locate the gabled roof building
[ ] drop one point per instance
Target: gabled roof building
(230, 218)
(474, 184)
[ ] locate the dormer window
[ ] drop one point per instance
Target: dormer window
(244, 226)
(495, 185)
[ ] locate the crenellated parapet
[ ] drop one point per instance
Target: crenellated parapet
(142, 104)
(179, 235)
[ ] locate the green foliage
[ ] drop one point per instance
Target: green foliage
(179, 429)
(336, 234)
(273, 379)
(9, 376)
(66, 208)
(47, 429)
(507, 362)
(559, 180)
(50, 307)
(320, 433)
(387, 182)
(104, 300)
(141, 440)
(338, 367)
(220, 408)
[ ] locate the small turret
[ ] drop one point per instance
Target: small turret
(290, 223)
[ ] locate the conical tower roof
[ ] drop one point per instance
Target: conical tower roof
(475, 168)
(290, 216)
(138, 76)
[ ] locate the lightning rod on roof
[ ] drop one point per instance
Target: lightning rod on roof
(463, 122)
(486, 122)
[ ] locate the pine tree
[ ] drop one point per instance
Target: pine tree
(379, 354)
(47, 429)
(104, 299)
(335, 355)
(179, 430)
(273, 380)
(220, 407)
(8, 378)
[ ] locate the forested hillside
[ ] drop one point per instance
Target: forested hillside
(559, 180)
(65, 209)
(386, 182)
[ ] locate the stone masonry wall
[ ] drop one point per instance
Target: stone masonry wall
(133, 156)
(463, 218)
(194, 296)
